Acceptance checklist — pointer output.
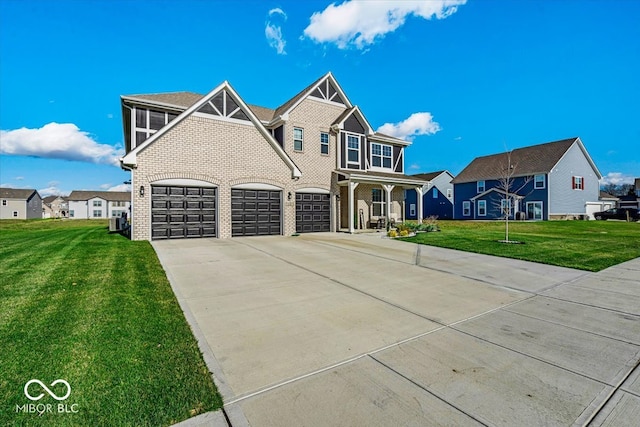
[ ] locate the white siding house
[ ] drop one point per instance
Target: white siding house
(98, 204)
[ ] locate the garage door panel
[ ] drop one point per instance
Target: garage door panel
(312, 212)
(182, 212)
(255, 212)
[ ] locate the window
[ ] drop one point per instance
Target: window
(97, 213)
(505, 207)
(578, 183)
(534, 210)
(466, 208)
(118, 204)
(97, 203)
(324, 143)
(481, 186)
(297, 139)
(4, 203)
(539, 182)
(72, 213)
(435, 193)
(378, 197)
(381, 156)
(15, 214)
(148, 122)
(449, 193)
(482, 208)
(353, 149)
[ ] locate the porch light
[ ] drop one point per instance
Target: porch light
(142, 191)
(289, 195)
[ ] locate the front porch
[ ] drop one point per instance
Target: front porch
(368, 201)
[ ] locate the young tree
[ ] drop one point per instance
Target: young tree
(510, 191)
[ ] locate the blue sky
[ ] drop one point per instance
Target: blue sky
(487, 75)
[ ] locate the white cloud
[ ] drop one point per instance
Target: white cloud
(119, 187)
(52, 190)
(273, 30)
(417, 124)
(457, 138)
(19, 178)
(360, 23)
(617, 178)
(58, 141)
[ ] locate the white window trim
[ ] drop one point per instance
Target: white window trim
(382, 157)
(359, 149)
(434, 192)
(325, 144)
(541, 209)
(382, 203)
(301, 139)
(574, 181)
(535, 182)
(484, 186)
(482, 204)
(466, 207)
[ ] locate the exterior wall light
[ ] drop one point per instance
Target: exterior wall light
(142, 191)
(289, 196)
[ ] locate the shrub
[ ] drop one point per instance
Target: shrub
(404, 233)
(392, 233)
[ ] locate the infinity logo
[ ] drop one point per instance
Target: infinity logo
(52, 394)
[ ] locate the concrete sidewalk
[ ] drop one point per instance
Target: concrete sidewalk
(334, 329)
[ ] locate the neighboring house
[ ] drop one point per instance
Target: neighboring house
(98, 204)
(437, 196)
(548, 181)
(20, 204)
(605, 201)
(55, 207)
(215, 166)
(631, 200)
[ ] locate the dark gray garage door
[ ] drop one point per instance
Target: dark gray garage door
(180, 212)
(255, 212)
(313, 212)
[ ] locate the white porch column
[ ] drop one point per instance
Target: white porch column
(388, 189)
(419, 202)
(351, 203)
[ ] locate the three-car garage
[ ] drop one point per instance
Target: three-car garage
(181, 211)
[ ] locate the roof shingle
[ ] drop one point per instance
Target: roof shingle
(115, 196)
(531, 160)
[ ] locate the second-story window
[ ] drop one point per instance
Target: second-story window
(97, 203)
(353, 149)
(481, 186)
(539, 181)
(324, 143)
(149, 122)
(577, 183)
(381, 156)
(297, 139)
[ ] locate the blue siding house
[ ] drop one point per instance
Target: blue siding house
(437, 196)
(547, 181)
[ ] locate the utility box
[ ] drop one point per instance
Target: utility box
(114, 224)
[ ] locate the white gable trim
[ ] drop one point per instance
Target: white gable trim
(586, 155)
(130, 158)
(183, 182)
(339, 90)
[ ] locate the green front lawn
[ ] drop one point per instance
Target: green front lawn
(586, 245)
(94, 309)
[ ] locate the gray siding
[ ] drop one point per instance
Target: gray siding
(443, 183)
(563, 199)
(352, 124)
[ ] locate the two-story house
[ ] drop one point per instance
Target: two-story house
(20, 203)
(55, 207)
(437, 196)
(546, 181)
(98, 204)
(216, 166)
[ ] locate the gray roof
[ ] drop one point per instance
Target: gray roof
(604, 196)
(177, 99)
(429, 175)
(184, 100)
(112, 196)
(17, 193)
(531, 160)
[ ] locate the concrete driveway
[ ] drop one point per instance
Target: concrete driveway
(335, 329)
